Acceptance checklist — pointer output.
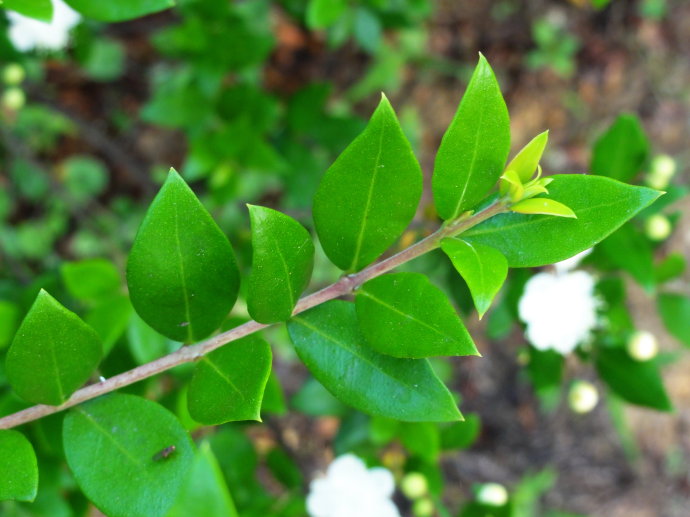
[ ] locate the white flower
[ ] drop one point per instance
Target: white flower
(560, 310)
(27, 33)
(572, 262)
(583, 397)
(492, 494)
(349, 489)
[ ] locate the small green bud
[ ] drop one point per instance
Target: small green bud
(663, 168)
(658, 227)
(542, 205)
(13, 98)
(423, 507)
(642, 346)
(13, 74)
(583, 397)
(414, 485)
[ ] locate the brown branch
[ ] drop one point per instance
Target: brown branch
(186, 354)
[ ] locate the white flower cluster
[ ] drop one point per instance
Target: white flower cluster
(27, 33)
(560, 309)
(349, 489)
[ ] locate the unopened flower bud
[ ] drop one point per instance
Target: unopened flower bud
(492, 494)
(663, 168)
(13, 74)
(414, 485)
(658, 227)
(642, 346)
(423, 507)
(13, 98)
(583, 397)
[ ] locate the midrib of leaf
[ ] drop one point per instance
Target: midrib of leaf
(406, 315)
(140, 465)
(58, 380)
(479, 262)
(472, 162)
(355, 353)
(185, 293)
(367, 207)
(485, 231)
(222, 375)
(286, 269)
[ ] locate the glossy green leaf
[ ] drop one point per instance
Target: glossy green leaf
(282, 262)
(475, 147)
(9, 317)
(120, 10)
(228, 384)
(90, 279)
(638, 382)
(622, 151)
(483, 268)
(405, 315)
(182, 275)
(675, 313)
(601, 204)
(119, 448)
(205, 492)
(53, 353)
(329, 343)
(525, 162)
(544, 206)
(369, 195)
(19, 479)
(39, 9)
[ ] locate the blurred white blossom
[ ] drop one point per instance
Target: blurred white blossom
(492, 494)
(27, 33)
(349, 489)
(559, 309)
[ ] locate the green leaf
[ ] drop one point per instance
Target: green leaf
(324, 13)
(53, 353)
(631, 251)
(638, 382)
(601, 204)
(542, 205)
(90, 279)
(120, 10)
(675, 313)
(315, 400)
(282, 262)
(475, 147)
(114, 446)
(327, 340)
(369, 195)
(19, 479)
(145, 344)
(621, 152)
(9, 317)
(39, 9)
(461, 435)
(525, 162)
(228, 384)
(110, 319)
(672, 266)
(205, 491)
(405, 315)
(182, 275)
(483, 268)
